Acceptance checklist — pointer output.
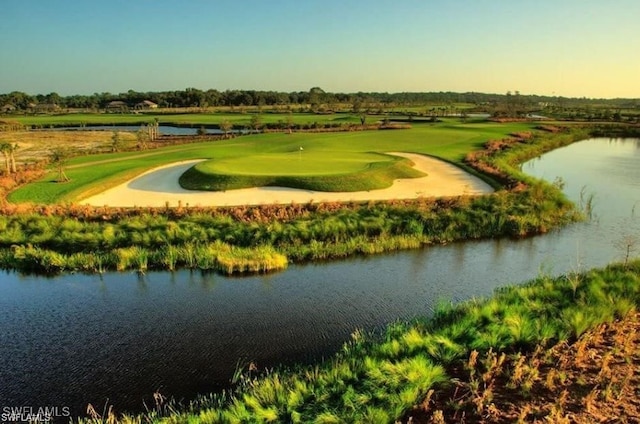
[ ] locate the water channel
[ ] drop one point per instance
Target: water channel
(163, 129)
(117, 338)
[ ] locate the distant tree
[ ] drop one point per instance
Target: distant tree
(142, 137)
(53, 98)
(153, 130)
(5, 148)
(357, 105)
(18, 99)
(59, 157)
(316, 97)
(617, 116)
(116, 142)
(256, 122)
(9, 152)
(225, 127)
(290, 122)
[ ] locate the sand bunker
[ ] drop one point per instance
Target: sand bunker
(159, 186)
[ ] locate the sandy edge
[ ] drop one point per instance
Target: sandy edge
(159, 187)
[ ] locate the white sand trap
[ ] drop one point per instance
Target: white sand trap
(160, 185)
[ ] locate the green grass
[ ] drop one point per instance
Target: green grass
(319, 170)
(89, 175)
(308, 162)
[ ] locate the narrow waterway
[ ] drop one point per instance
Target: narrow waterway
(117, 338)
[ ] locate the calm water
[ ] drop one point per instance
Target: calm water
(164, 129)
(116, 339)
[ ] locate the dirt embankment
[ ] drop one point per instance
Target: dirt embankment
(593, 380)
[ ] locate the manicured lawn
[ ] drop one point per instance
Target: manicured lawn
(449, 140)
(295, 162)
(310, 170)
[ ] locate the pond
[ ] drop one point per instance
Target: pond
(117, 338)
(163, 129)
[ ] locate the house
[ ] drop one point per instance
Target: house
(146, 105)
(8, 108)
(117, 106)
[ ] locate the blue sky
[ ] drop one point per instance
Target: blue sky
(562, 47)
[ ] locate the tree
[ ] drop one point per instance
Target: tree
(256, 122)
(357, 105)
(316, 97)
(12, 154)
(142, 136)
(53, 98)
(116, 141)
(153, 130)
(225, 127)
(59, 157)
(8, 151)
(4, 148)
(290, 122)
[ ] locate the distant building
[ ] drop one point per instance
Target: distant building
(146, 105)
(8, 108)
(117, 106)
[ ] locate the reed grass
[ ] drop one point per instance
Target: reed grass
(216, 256)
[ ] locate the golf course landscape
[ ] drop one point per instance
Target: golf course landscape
(319, 161)
(53, 225)
(319, 212)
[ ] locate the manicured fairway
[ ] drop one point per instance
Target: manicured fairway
(93, 174)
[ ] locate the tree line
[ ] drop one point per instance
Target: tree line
(193, 97)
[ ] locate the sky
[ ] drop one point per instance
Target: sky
(572, 48)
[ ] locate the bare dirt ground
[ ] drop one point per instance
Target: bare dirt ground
(159, 187)
(594, 380)
(36, 145)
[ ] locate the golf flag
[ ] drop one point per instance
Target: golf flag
(301, 148)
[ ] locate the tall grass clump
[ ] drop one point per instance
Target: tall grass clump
(217, 256)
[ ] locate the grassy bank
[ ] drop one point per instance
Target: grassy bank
(214, 256)
(35, 242)
(56, 238)
(379, 379)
